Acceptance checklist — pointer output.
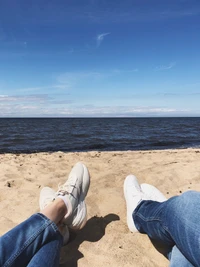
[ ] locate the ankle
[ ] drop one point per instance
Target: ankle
(60, 206)
(55, 211)
(67, 203)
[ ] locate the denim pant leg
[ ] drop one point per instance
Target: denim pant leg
(48, 255)
(177, 259)
(174, 222)
(18, 246)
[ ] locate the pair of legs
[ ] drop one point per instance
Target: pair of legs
(174, 222)
(38, 240)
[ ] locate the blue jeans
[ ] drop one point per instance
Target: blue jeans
(176, 223)
(35, 242)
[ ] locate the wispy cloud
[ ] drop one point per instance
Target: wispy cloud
(59, 86)
(114, 12)
(165, 67)
(100, 38)
(67, 81)
(129, 14)
(181, 94)
(120, 71)
(24, 98)
(72, 78)
(122, 110)
(32, 105)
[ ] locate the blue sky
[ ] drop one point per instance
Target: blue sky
(99, 58)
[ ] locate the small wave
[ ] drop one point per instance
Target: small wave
(167, 143)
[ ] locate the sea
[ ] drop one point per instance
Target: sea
(29, 135)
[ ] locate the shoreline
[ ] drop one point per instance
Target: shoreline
(99, 151)
(106, 240)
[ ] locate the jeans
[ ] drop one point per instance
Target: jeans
(35, 242)
(176, 223)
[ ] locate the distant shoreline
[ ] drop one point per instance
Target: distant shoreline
(175, 150)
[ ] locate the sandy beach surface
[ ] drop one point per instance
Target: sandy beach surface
(105, 240)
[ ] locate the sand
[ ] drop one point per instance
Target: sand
(105, 240)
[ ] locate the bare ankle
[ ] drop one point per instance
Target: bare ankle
(55, 211)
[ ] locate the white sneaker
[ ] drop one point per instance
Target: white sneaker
(79, 218)
(47, 196)
(133, 196)
(75, 190)
(152, 193)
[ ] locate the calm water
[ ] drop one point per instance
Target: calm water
(103, 134)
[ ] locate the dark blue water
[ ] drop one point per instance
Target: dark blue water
(102, 134)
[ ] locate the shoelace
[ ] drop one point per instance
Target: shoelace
(62, 190)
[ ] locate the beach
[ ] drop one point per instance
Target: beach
(105, 240)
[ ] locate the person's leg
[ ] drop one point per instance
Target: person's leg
(18, 246)
(41, 229)
(175, 222)
(174, 255)
(76, 187)
(48, 255)
(177, 259)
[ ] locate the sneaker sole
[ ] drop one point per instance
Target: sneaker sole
(78, 224)
(129, 217)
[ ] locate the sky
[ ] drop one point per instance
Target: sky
(61, 58)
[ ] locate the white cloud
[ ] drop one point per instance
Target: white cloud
(35, 109)
(24, 98)
(100, 38)
(121, 110)
(31, 105)
(166, 67)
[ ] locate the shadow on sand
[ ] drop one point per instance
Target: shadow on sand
(161, 247)
(93, 231)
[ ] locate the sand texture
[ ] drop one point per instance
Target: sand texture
(105, 240)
